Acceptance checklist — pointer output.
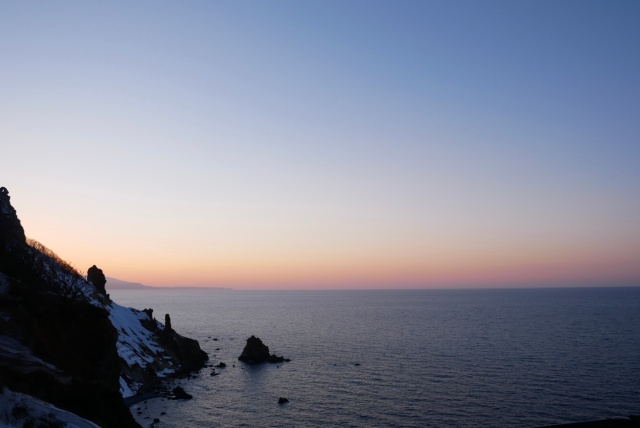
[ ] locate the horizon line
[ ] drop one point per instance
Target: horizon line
(480, 288)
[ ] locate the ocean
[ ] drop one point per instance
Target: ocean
(407, 358)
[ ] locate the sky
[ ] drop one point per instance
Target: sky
(327, 144)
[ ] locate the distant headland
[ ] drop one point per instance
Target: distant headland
(118, 284)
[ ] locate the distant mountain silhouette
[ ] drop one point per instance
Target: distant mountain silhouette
(118, 284)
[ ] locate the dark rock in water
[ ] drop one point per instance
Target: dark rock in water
(180, 394)
(254, 351)
(167, 322)
(214, 374)
(257, 352)
(282, 400)
(221, 365)
(356, 364)
(96, 277)
(275, 359)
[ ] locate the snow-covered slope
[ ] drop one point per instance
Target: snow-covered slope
(17, 410)
(138, 347)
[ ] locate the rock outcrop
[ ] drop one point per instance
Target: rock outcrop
(96, 277)
(257, 352)
(183, 349)
(254, 351)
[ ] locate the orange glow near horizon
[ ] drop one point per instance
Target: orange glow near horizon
(297, 274)
(316, 262)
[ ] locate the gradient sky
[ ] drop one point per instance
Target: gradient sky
(327, 144)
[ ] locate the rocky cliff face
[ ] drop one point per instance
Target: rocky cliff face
(10, 228)
(64, 342)
(62, 352)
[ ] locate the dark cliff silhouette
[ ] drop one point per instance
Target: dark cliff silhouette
(57, 340)
(57, 346)
(11, 230)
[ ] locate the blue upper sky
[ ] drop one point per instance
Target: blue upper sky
(316, 137)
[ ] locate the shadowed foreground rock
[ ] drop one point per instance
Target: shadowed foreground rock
(257, 352)
(64, 353)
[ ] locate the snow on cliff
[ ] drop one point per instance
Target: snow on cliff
(18, 410)
(137, 346)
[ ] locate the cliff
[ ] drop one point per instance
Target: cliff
(11, 230)
(65, 344)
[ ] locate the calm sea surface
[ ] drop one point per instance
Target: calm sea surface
(428, 358)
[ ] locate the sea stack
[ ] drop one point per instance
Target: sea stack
(257, 352)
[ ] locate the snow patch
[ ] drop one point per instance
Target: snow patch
(136, 344)
(165, 372)
(18, 409)
(126, 390)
